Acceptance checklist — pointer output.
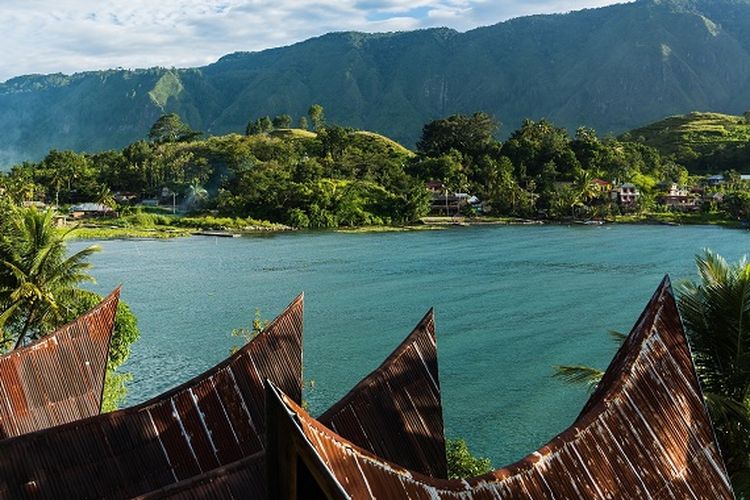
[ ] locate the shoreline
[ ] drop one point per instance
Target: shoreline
(425, 224)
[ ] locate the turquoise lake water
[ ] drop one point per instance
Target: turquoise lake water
(510, 302)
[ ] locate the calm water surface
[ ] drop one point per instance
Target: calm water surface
(510, 303)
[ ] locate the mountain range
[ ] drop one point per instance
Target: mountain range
(611, 68)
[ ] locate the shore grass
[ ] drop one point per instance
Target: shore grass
(687, 218)
(176, 227)
(115, 233)
(388, 229)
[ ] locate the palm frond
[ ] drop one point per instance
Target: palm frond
(617, 337)
(578, 374)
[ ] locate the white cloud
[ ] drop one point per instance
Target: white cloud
(46, 36)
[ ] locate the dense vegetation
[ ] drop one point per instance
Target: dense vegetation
(702, 142)
(338, 176)
(40, 290)
(573, 69)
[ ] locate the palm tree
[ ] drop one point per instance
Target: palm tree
(41, 279)
(106, 198)
(584, 186)
(196, 194)
(716, 314)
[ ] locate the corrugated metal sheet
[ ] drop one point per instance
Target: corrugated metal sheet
(394, 412)
(213, 420)
(245, 478)
(645, 433)
(60, 377)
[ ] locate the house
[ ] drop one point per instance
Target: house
(626, 194)
(601, 186)
(88, 210)
(715, 180)
(680, 198)
(446, 203)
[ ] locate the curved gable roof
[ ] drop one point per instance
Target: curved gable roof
(395, 412)
(60, 377)
(210, 421)
(645, 432)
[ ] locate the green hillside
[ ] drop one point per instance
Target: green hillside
(704, 142)
(611, 68)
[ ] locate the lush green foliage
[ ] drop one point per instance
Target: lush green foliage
(41, 281)
(39, 290)
(344, 177)
(716, 312)
(337, 177)
(170, 128)
(461, 463)
(613, 68)
(702, 142)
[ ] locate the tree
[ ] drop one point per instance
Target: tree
(43, 281)
(536, 144)
(472, 136)
(716, 314)
(105, 197)
(317, 117)
(303, 123)
(196, 194)
(461, 463)
(282, 121)
(259, 126)
(170, 128)
(583, 184)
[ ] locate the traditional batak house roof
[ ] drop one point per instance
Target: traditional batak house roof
(60, 377)
(644, 433)
(394, 412)
(209, 422)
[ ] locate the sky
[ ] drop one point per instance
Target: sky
(49, 36)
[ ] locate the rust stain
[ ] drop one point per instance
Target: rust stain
(60, 377)
(644, 433)
(394, 412)
(213, 420)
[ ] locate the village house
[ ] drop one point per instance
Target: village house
(90, 210)
(679, 198)
(626, 194)
(715, 180)
(446, 203)
(601, 186)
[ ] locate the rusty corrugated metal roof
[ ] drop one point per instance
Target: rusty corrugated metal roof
(213, 420)
(645, 433)
(60, 377)
(394, 412)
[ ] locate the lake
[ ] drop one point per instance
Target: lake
(510, 301)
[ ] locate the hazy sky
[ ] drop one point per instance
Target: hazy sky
(46, 36)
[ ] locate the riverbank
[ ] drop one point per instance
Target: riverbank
(178, 227)
(158, 226)
(647, 218)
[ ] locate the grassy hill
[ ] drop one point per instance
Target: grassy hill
(611, 68)
(704, 142)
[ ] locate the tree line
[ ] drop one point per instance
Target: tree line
(338, 176)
